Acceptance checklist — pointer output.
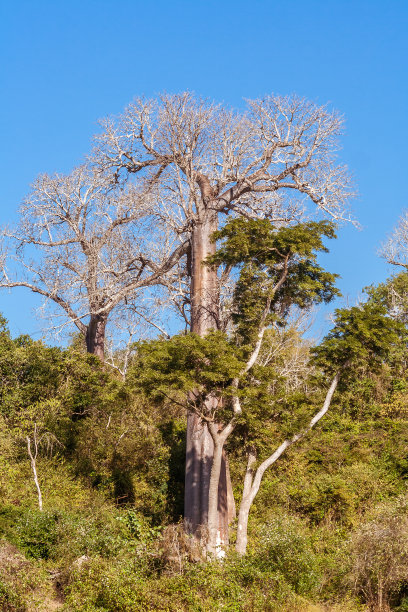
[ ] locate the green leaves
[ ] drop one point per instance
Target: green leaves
(278, 269)
(258, 241)
(172, 368)
(363, 334)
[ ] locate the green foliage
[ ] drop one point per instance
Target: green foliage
(393, 294)
(328, 527)
(37, 533)
(266, 256)
(9, 600)
(172, 368)
(258, 240)
(362, 336)
(286, 547)
(236, 585)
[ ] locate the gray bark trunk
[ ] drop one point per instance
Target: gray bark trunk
(215, 540)
(200, 447)
(245, 506)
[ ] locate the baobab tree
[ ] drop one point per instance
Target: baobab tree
(269, 160)
(88, 246)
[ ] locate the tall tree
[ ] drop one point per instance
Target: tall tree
(266, 161)
(278, 270)
(87, 246)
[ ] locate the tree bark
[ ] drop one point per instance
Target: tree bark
(242, 527)
(200, 447)
(95, 335)
(204, 285)
(214, 545)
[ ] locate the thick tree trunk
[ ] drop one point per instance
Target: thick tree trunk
(204, 286)
(95, 335)
(200, 447)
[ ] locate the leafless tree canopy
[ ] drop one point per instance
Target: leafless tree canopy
(395, 250)
(206, 161)
(267, 160)
(100, 236)
(87, 244)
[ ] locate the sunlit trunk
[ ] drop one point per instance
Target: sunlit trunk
(200, 447)
(245, 506)
(215, 537)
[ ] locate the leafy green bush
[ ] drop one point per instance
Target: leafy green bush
(37, 533)
(286, 548)
(9, 600)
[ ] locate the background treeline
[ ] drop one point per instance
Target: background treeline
(328, 529)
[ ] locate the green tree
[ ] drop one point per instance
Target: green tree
(214, 377)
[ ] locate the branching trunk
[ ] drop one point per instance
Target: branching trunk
(216, 539)
(252, 483)
(200, 447)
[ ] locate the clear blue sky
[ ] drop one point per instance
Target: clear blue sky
(64, 64)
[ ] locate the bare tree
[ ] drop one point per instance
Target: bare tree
(139, 319)
(395, 250)
(88, 246)
(33, 461)
(269, 160)
(47, 439)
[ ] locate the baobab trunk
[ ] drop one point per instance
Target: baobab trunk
(95, 335)
(200, 447)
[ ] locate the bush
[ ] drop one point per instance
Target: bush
(380, 558)
(37, 533)
(10, 601)
(285, 547)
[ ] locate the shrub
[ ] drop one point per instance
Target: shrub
(37, 533)
(10, 601)
(285, 547)
(380, 558)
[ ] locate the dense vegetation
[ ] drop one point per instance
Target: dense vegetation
(328, 529)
